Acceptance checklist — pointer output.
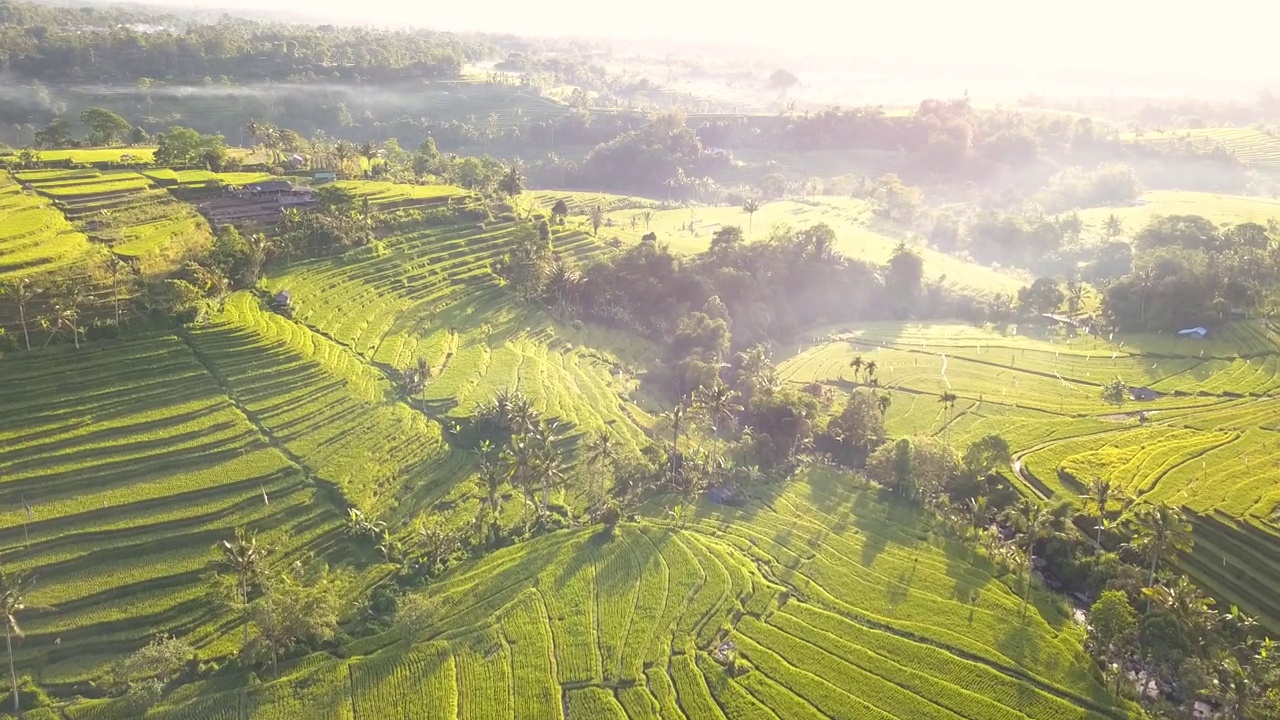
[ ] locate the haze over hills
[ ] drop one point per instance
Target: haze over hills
(715, 364)
(995, 49)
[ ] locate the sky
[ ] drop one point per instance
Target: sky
(1227, 39)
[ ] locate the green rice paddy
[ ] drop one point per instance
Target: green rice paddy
(835, 603)
(1210, 443)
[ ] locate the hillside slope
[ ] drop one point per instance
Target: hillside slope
(834, 602)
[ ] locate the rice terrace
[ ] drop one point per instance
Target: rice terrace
(354, 371)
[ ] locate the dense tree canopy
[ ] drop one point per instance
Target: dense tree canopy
(55, 44)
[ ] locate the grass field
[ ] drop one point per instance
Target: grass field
(1210, 444)
(839, 604)
(851, 219)
(1217, 208)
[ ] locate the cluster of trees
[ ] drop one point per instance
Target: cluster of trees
(1186, 270)
(105, 128)
(942, 137)
(63, 44)
(665, 157)
(1152, 628)
(763, 289)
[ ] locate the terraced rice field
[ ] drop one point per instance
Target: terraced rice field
(851, 219)
(385, 195)
(324, 406)
(1252, 146)
(839, 606)
(166, 177)
(100, 155)
(1211, 445)
(34, 236)
(432, 296)
(123, 209)
(133, 464)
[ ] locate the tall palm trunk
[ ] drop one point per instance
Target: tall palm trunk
(13, 674)
(244, 602)
(22, 318)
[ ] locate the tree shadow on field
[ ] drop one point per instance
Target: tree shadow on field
(970, 572)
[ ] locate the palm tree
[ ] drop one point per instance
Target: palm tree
(549, 462)
(597, 219)
(344, 151)
(521, 461)
(1031, 524)
(1182, 601)
(1113, 227)
(1159, 532)
(750, 207)
(244, 557)
(424, 375)
(512, 182)
(883, 402)
(22, 292)
(1075, 297)
(13, 591)
(948, 400)
(370, 151)
(600, 454)
(253, 129)
(116, 266)
(491, 476)
(1146, 280)
(857, 364)
(870, 370)
(1099, 494)
(676, 416)
(717, 401)
(68, 315)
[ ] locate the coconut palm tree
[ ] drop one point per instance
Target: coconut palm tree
(1075, 297)
(1031, 525)
(1113, 227)
(600, 455)
(676, 416)
(14, 588)
(882, 402)
(69, 316)
(491, 474)
(22, 292)
(1146, 280)
(857, 363)
(717, 401)
(1160, 531)
(512, 182)
(1183, 602)
(751, 206)
(948, 400)
(117, 267)
(521, 460)
(1099, 495)
(244, 557)
(549, 462)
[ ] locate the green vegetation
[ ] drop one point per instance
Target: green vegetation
(837, 617)
(1198, 443)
